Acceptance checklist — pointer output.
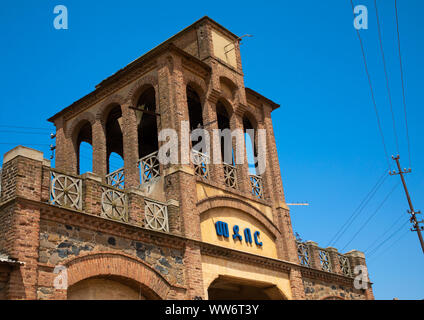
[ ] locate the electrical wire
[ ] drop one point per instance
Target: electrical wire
(387, 230)
(386, 76)
(371, 216)
(358, 210)
(387, 239)
(372, 91)
(403, 84)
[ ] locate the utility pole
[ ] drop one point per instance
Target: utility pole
(413, 219)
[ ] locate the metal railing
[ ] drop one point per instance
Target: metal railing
(256, 183)
(230, 175)
(201, 164)
(149, 167)
(116, 178)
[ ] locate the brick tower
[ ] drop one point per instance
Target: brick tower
(153, 230)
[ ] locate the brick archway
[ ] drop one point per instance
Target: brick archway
(222, 201)
(118, 265)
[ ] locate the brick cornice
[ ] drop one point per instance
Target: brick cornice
(126, 75)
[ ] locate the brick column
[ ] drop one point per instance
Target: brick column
(180, 182)
(65, 153)
(92, 193)
(243, 181)
(357, 258)
(99, 149)
(267, 177)
(130, 141)
(210, 116)
(314, 254)
(334, 258)
(287, 238)
(296, 284)
(135, 206)
(23, 168)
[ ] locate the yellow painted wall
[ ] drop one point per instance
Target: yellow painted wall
(206, 191)
(213, 267)
(102, 289)
(243, 220)
(220, 48)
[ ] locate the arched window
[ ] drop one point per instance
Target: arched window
(114, 139)
(194, 109)
(223, 118)
(84, 148)
(147, 123)
(251, 150)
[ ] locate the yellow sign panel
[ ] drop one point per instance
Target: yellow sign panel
(235, 229)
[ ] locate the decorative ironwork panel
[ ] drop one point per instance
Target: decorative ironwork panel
(200, 161)
(149, 167)
(65, 191)
(116, 178)
(257, 186)
(303, 254)
(156, 216)
(344, 265)
(324, 259)
(230, 175)
(114, 205)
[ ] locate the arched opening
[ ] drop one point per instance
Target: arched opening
(250, 144)
(115, 161)
(231, 288)
(109, 288)
(147, 123)
(84, 149)
(223, 118)
(194, 109)
(114, 138)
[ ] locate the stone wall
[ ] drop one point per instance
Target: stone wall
(60, 242)
(319, 290)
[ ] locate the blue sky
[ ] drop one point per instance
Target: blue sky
(303, 54)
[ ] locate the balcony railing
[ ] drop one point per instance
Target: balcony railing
(149, 167)
(156, 216)
(201, 164)
(230, 175)
(257, 186)
(324, 259)
(114, 205)
(65, 191)
(344, 265)
(116, 179)
(303, 254)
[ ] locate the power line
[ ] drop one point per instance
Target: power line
(390, 246)
(386, 76)
(371, 90)
(387, 239)
(356, 213)
(387, 230)
(403, 85)
(371, 216)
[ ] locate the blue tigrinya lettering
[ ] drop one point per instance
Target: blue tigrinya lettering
(222, 229)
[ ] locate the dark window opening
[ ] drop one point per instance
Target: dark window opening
(114, 139)
(147, 123)
(194, 109)
(84, 149)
